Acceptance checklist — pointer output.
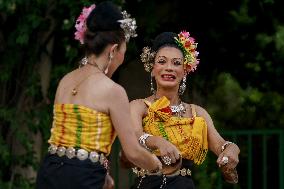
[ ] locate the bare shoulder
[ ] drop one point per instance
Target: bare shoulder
(115, 98)
(200, 111)
(138, 107)
(63, 84)
(116, 91)
(137, 102)
(67, 78)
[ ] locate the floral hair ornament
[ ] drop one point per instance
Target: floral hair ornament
(81, 23)
(128, 25)
(188, 46)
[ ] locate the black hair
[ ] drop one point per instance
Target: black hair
(165, 39)
(103, 28)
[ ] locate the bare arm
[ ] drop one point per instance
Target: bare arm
(215, 141)
(138, 109)
(120, 115)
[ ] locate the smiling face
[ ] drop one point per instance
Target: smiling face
(168, 68)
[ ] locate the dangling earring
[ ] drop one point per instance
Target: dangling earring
(153, 91)
(110, 57)
(182, 87)
(83, 62)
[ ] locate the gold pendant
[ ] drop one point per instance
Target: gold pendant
(74, 92)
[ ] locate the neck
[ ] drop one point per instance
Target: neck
(98, 61)
(172, 95)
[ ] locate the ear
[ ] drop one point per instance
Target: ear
(113, 48)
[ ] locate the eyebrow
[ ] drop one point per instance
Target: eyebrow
(167, 58)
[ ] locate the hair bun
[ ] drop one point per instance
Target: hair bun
(104, 18)
(164, 38)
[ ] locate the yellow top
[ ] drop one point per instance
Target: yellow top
(189, 135)
(81, 127)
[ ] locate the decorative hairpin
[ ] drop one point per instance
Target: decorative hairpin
(188, 46)
(128, 25)
(147, 57)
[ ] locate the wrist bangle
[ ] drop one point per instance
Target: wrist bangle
(142, 140)
(224, 146)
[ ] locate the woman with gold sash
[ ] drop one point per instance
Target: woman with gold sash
(178, 132)
(90, 110)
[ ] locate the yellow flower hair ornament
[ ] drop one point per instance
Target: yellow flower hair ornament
(188, 46)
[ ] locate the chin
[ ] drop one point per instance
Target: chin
(168, 85)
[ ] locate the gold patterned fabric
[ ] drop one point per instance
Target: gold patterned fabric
(81, 127)
(188, 134)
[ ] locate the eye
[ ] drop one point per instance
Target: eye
(161, 61)
(177, 62)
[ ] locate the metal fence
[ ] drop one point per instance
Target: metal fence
(261, 161)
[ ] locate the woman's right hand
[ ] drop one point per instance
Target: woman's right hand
(166, 148)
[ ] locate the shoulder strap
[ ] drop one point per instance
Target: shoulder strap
(193, 110)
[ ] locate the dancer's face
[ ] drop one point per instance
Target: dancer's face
(168, 68)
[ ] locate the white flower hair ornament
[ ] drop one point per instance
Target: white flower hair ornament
(128, 25)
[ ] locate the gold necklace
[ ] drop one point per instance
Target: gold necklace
(74, 90)
(95, 65)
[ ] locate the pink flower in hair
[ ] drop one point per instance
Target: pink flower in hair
(185, 34)
(81, 23)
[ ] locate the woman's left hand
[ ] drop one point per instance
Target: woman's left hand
(229, 157)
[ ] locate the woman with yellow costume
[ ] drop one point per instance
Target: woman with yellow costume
(179, 133)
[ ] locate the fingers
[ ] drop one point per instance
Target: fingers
(177, 154)
(227, 160)
(170, 155)
(174, 157)
(169, 152)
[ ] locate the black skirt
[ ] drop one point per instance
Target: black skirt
(174, 182)
(60, 173)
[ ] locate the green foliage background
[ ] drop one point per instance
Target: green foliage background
(239, 80)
